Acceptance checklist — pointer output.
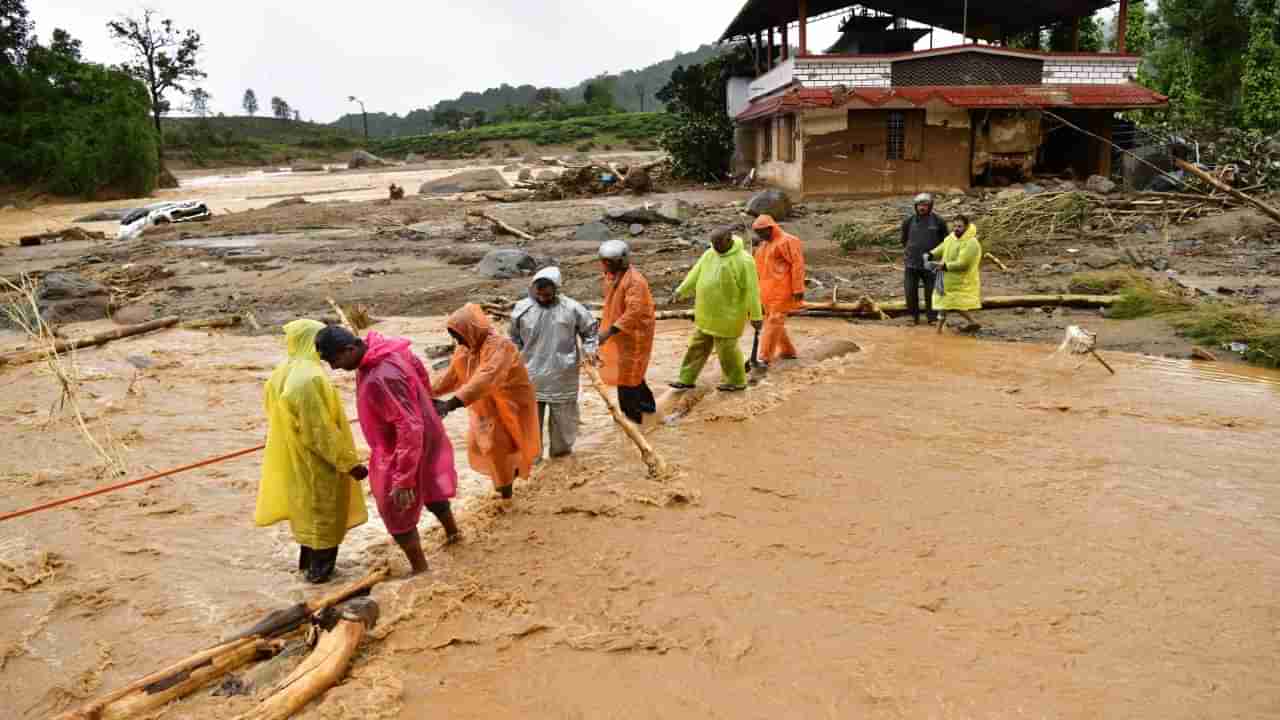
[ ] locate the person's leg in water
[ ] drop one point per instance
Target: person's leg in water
(323, 563)
(942, 321)
(929, 281)
(444, 514)
(544, 409)
(411, 545)
(695, 358)
(304, 558)
(508, 491)
(562, 424)
(911, 289)
(733, 366)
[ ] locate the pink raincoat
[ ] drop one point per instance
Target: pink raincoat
(408, 442)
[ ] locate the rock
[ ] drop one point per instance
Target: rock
(511, 169)
(594, 232)
(1100, 185)
(636, 229)
(673, 212)
(288, 202)
(469, 181)
(1032, 189)
(412, 158)
(506, 264)
(67, 297)
(771, 202)
(1160, 264)
(547, 176)
(637, 180)
(301, 167)
(1067, 186)
(363, 159)
(1199, 353)
(677, 212)
(166, 180)
(525, 175)
(1008, 194)
(1099, 260)
(955, 191)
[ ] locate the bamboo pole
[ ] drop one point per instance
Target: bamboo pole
(342, 316)
(1265, 208)
(656, 464)
(102, 338)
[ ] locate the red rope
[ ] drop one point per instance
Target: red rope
(131, 483)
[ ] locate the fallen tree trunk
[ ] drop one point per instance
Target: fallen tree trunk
(327, 663)
(656, 464)
(215, 322)
(1215, 182)
(186, 676)
(101, 338)
(504, 226)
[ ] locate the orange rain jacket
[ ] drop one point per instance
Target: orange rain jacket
(780, 265)
(628, 306)
(490, 378)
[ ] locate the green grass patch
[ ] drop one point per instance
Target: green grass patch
(1104, 282)
(634, 128)
(854, 236)
(1219, 323)
(1143, 299)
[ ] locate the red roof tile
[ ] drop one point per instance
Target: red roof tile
(1123, 96)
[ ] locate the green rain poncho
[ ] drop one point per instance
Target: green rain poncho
(310, 450)
(962, 284)
(728, 291)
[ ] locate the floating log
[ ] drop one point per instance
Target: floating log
(1215, 182)
(186, 676)
(327, 663)
(656, 464)
(102, 338)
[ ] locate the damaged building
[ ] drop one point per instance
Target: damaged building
(874, 114)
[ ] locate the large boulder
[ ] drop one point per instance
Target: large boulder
(67, 297)
(595, 232)
(638, 180)
(469, 181)
(770, 202)
(1100, 185)
(363, 159)
(506, 264)
(672, 212)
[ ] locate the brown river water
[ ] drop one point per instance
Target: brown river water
(1139, 514)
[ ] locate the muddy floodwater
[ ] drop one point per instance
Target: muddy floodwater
(931, 527)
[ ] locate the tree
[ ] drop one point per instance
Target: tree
(478, 117)
(641, 91)
(164, 57)
(250, 102)
(547, 98)
(279, 108)
(1260, 89)
(701, 142)
(200, 102)
(297, 116)
(599, 92)
(449, 117)
(1137, 36)
(15, 32)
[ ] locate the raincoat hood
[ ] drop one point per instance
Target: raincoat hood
(970, 233)
(300, 339)
(470, 322)
(735, 249)
(548, 273)
(767, 221)
(379, 348)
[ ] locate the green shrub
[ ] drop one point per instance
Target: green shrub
(1104, 282)
(1217, 323)
(1142, 299)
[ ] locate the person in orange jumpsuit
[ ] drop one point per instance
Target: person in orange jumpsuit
(780, 267)
(488, 377)
(626, 331)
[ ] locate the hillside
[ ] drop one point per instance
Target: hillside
(221, 141)
(621, 131)
(626, 95)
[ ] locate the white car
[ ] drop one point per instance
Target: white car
(132, 224)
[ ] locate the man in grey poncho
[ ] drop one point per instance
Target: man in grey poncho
(545, 327)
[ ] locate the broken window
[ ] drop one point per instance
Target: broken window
(787, 145)
(766, 141)
(896, 145)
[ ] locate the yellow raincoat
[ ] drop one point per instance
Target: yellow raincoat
(310, 451)
(963, 281)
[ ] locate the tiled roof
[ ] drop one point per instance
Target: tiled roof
(1123, 96)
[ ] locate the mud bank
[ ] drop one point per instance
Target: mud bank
(930, 527)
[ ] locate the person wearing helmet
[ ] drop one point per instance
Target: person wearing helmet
(626, 331)
(921, 233)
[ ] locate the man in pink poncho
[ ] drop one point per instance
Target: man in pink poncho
(411, 463)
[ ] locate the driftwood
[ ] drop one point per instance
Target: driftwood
(503, 226)
(186, 676)
(996, 260)
(1215, 182)
(656, 464)
(327, 663)
(224, 321)
(101, 338)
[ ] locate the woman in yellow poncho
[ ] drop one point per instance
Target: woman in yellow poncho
(959, 287)
(310, 471)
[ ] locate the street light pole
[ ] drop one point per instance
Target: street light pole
(363, 112)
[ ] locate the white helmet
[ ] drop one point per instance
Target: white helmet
(614, 250)
(925, 198)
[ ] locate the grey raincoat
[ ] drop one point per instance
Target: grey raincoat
(548, 340)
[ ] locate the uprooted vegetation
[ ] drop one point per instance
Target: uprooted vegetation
(857, 236)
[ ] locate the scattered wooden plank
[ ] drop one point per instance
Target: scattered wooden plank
(101, 338)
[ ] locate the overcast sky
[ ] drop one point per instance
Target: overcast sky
(398, 55)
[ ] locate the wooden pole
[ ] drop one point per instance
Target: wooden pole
(769, 64)
(101, 338)
(342, 316)
(759, 47)
(1075, 34)
(1265, 208)
(784, 31)
(1122, 25)
(804, 27)
(656, 464)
